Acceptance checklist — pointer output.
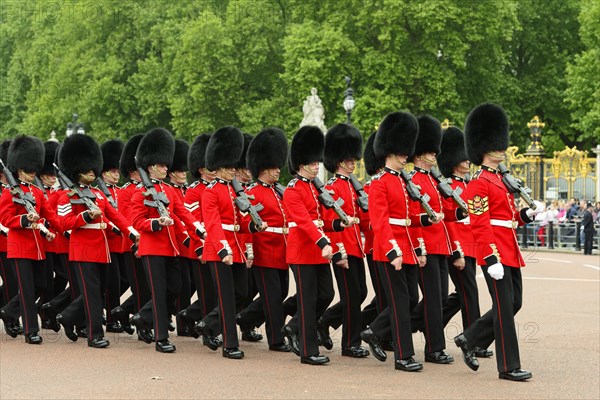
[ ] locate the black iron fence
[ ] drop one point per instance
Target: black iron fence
(555, 235)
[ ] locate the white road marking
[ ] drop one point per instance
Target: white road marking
(536, 278)
(592, 266)
(555, 260)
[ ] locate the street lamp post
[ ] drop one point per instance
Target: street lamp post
(75, 127)
(348, 99)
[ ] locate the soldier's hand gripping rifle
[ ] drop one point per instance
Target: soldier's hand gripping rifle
(363, 198)
(447, 192)
(328, 202)
(85, 194)
(514, 186)
(25, 199)
(243, 204)
(415, 194)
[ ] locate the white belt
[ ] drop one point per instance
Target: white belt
(318, 223)
(466, 221)
(281, 231)
(100, 225)
(400, 221)
(505, 224)
(230, 227)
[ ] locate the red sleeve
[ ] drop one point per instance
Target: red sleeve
(69, 220)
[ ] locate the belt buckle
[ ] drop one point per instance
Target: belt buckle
(285, 230)
(102, 225)
(319, 223)
(515, 224)
(236, 228)
(407, 222)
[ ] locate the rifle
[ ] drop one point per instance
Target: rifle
(159, 199)
(85, 194)
(279, 188)
(20, 197)
(328, 202)
(514, 186)
(38, 182)
(415, 194)
(447, 191)
(243, 203)
(104, 189)
(363, 198)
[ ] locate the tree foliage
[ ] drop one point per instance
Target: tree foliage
(194, 66)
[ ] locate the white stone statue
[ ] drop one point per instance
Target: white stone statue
(314, 113)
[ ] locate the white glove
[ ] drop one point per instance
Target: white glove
(539, 207)
(496, 271)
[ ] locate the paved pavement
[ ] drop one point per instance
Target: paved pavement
(558, 329)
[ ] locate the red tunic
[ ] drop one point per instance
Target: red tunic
(61, 243)
(22, 241)
(490, 204)
(436, 235)
(192, 202)
(223, 222)
(308, 223)
(461, 237)
(388, 205)
(365, 224)
(156, 240)
(88, 240)
(342, 188)
(115, 241)
(269, 246)
(124, 208)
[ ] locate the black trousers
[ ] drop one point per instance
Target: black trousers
(379, 302)
(273, 286)
(231, 282)
(395, 286)
(92, 278)
(47, 292)
(466, 297)
(205, 288)
(499, 323)
(10, 286)
(184, 299)
(140, 291)
(61, 276)
(433, 280)
(352, 288)
(61, 301)
(112, 292)
(164, 280)
(314, 287)
(588, 243)
(31, 276)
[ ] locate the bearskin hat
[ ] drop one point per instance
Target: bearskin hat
(268, 149)
(50, 147)
(79, 154)
(373, 163)
(197, 154)
(127, 161)
(397, 134)
(182, 148)
(342, 142)
(247, 139)
(453, 150)
(4, 150)
(111, 154)
(430, 135)
(486, 129)
(26, 153)
(156, 147)
(224, 148)
(308, 145)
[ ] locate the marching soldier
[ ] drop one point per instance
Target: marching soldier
(396, 249)
(433, 277)
(158, 245)
(25, 244)
(266, 156)
(206, 301)
(110, 175)
(343, 148)
(9, 280)
(493, 219)
(309, 251)
(454, 165)
(225, 225)
(133, 269)
(80, 160)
